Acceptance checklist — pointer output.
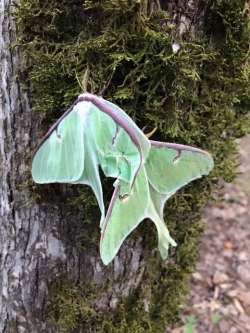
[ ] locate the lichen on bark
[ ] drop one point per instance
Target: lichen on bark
(195, 96)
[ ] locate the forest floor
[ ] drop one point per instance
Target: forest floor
(219, 300)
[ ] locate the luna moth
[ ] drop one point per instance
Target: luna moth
(96, 134)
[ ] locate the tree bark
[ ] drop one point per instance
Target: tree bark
(29, 243)
(34, 243)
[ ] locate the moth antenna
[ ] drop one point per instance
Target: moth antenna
(148, 135)
(85, 80)
(106, 85)
(78, 81)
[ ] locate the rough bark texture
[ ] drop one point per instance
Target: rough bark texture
(34, 245)
(29, 244)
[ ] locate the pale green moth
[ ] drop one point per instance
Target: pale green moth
(95, 133)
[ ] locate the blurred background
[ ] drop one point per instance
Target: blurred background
(219, 300)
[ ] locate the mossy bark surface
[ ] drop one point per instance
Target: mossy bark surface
(51, 277)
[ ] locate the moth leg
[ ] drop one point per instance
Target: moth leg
(116, 133)
(127, 192)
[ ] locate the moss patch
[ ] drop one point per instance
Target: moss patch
(198, 96)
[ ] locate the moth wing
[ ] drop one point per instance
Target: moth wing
(171, 166)
(60, 157)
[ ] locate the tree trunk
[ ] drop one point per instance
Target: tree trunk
(30, 247)
(35, 245)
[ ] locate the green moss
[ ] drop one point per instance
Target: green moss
(71, 305)
(198, 96)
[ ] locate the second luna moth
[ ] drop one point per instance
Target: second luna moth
(95, 133)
